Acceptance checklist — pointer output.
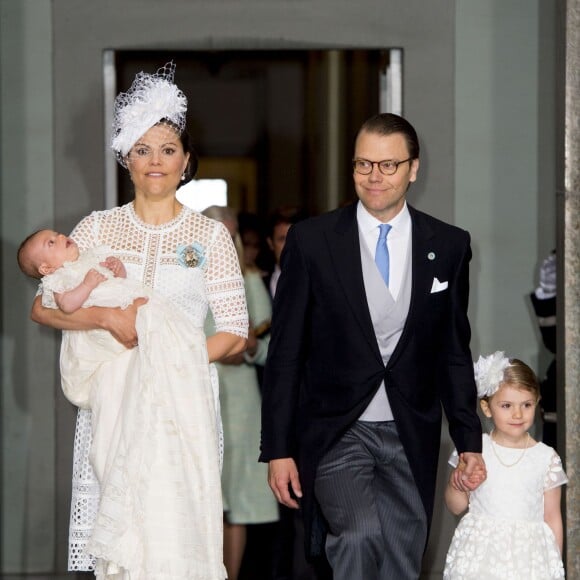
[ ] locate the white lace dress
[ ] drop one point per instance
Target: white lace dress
(503, 535)
(157, 533)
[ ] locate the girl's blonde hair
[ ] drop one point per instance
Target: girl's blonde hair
(519, 374)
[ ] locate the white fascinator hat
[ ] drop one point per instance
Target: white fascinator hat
(150, 99)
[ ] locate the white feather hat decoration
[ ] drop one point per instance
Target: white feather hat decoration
(489, 373)
(151, 98)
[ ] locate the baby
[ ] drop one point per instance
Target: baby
(71, 280)
(44, 252)
(42, 255)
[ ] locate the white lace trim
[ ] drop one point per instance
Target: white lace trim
(85, 497)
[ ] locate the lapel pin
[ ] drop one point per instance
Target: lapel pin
(431, 255)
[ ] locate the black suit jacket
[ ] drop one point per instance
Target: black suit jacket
(324, 364)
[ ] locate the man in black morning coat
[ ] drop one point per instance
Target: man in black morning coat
(360, 363)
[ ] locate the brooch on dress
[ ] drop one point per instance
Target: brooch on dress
(191, 256)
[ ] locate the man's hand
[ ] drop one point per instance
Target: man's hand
(470, 472)
(283, 475)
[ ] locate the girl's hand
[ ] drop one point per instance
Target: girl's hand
(116, 266)
(456, 496)
(456, 478)
(93, 278)
(470, 472)
(462, 481)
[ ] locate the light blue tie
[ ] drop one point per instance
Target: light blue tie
(382, 253)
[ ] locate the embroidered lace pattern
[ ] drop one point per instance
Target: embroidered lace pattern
(85, 497)
(149, 254)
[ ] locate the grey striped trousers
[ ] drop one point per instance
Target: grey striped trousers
(377, 523)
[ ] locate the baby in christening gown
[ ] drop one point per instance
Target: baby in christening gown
(152, 407)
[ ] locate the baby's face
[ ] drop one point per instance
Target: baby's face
(52, 250)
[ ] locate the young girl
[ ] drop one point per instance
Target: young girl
(513, 528)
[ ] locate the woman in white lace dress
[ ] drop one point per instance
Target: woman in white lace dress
(513, 528)
(191, 261)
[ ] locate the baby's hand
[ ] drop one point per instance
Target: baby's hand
(93, 278)
(116, 266)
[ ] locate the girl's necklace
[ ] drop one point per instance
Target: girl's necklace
(493, 448)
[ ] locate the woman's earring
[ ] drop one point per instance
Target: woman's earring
(183, 177)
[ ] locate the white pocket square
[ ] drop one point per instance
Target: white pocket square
(438, 286)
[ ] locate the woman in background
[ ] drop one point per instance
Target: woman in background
(246, 495)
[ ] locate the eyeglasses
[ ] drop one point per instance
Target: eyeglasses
(387, 167)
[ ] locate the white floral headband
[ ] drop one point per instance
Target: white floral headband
(150, 98)
(489, 373)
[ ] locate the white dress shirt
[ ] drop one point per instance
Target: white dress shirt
(398, 241)
(274, 280)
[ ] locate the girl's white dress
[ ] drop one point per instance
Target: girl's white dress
(503, 535)
(152, 434)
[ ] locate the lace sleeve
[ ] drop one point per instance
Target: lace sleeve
(61, 280)
(47, 294)
(555, 476)
(225, 285)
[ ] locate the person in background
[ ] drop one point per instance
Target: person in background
(544, 303)
(513, 526)
(257, 258)
(257, 254)
(190, 260)
(370, 338)
(246, 497)
(278, 225)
